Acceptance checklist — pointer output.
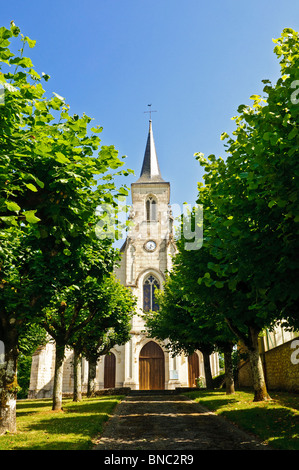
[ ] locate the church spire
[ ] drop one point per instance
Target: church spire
(150, 171)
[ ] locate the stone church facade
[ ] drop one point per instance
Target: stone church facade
(142, 363)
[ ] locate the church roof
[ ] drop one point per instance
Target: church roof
(150, 172)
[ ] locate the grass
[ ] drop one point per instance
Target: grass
(275, 422)
(74, 428)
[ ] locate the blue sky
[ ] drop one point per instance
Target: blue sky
(194, 61)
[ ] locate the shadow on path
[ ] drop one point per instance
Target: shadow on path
(171, 422)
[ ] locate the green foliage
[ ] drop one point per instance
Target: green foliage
(31, 337)
(24, 371)
(51, 179)
(44, 160)
(251, 202)
(54, 174)
(113, 306)
(73, 297)
(251, 210)
(191, 312)
(245, 274)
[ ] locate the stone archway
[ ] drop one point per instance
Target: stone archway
(151, 367)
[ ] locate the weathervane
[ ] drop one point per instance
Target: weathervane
(150, 111)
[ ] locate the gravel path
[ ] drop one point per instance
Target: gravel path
(170, 422)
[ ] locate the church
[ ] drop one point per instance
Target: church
(146, 256)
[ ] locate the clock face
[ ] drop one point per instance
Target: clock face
(150, 245)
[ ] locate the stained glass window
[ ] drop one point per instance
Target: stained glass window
(149, 300)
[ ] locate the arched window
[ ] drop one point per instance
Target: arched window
(149, 286)
(151, 209)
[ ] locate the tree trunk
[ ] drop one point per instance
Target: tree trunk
(77, 376)
(58, 377)
(229, 372)
(259, 384)
(207, 368)
(92, 365)
(251, 344)
(8, 383)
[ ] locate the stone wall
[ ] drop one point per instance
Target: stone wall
(281, 368)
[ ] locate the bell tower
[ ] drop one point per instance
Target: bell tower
(148, 249)
(151, 234)
(149, 244)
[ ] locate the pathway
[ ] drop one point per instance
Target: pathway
(170, 422)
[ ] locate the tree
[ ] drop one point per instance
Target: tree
(251, 205)
(111, 324)
(14, 301)
(75, 300)
(51, 182)
(190, 314)
(110, 327)
(174, 323)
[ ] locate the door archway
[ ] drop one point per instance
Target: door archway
(193, 369)
(109, 371)
(151, 367)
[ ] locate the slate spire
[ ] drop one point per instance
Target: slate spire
(150, 171)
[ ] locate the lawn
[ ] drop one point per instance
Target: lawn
(40, 428)
(75, 428)
(275, 422)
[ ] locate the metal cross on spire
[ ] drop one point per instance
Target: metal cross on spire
(150, 111)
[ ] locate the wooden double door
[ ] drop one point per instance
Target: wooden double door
(151, 367)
